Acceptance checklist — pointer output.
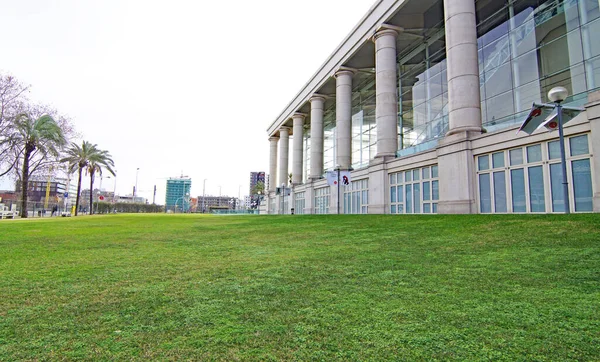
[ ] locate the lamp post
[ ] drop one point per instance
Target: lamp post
(557, 95)
(283, 198)
(136, 184)
(203, 195)
(337, 173)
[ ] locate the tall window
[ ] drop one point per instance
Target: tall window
(364, 131)
(414, 191)
(322, 200)
(329, 132)
(529, 179)
(299, 202)
(356, 197)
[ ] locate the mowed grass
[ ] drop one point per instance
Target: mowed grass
(373, 287)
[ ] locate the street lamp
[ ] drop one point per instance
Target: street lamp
(557, 95)
(543, 115)
(136, 184)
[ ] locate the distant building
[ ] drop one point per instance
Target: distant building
(178, 194)
(207, 203)
(255, 178)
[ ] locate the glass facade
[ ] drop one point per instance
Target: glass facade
(364, 130)
(525, 48)
(414, 191)
(356, 197)
(529, 179)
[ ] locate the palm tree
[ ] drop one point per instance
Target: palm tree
(98, 161)
(78, 158)
(37, 137)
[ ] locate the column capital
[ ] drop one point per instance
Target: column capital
(318, 97)
(284, 128)
(273, 138)
(299, 115)
(387, 29)
(345, 71)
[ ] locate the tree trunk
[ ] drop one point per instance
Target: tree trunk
(91, 191)
(78, 191)
(25, 180)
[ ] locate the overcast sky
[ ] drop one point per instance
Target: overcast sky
(173, 86)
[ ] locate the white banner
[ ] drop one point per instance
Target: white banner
(332, 178)
(345, 178)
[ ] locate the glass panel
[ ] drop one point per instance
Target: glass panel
(426, 208)
(516, 157)
(556, 187)
(426, 191)
(499, 192)
(582, 185)
(498, 159)
(497, 80)
(435, 192)
(408, 176)
(393, 209)
(400, 209)
(434, 208)
(526, 69)
(393, 194)
(416, 175)
(425, 173)
(483, 162)
(588, 11)
(408, 199)
(417, 197)
(434, 171)
(400, 194)
(536, 189)
(553, 150)
(579, 145)
(534, 153)
(517, 180)
(485, 199)
(393, 179)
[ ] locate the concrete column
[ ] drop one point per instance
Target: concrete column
(386, 110)
(284, 144)
(317, 110)
(298, 120)
(343, 117)
(463, 71)
(592, 109)
(273, 163)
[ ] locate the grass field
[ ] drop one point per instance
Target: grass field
(373, 287)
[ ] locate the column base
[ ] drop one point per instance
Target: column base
(457, 207)
(385, 155)
(596, 202)
(469, 129)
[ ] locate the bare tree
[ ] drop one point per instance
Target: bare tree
(12, 103)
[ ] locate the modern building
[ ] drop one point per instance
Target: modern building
(422, 102)
(209, 202)
(255, 178)
(178, 194)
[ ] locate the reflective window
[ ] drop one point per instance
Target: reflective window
(414, 191)
(582, 185)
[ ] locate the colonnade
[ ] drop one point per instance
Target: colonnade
(463, 99)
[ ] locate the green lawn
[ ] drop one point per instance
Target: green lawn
(171, 287)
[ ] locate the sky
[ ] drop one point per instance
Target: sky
(172, 87)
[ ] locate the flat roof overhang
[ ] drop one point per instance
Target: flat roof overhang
(358, 51)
